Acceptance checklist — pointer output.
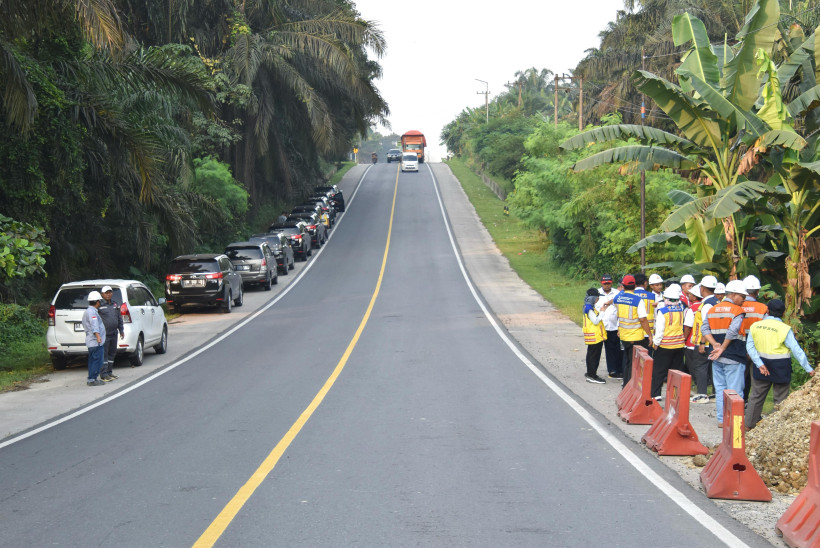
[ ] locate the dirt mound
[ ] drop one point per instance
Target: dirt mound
(778, 447)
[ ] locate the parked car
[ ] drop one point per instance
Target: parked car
(314, 207)
(410, 162)
(143, 320)
(255, 263)
(327, 207)
(335, 194)
(316, 228)
(205, 278)
(299, 238)
(282, 250)
(394, 155)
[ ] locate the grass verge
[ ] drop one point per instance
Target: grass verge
(524, 248)
(23, 361)
(346, 166)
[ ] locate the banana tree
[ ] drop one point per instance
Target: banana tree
(716, 110)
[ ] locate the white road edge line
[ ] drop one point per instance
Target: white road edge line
(189, 357)
(665, 487)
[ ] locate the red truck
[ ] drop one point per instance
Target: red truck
(414, 141)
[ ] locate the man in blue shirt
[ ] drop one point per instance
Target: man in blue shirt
(94, 337)
(771, 345)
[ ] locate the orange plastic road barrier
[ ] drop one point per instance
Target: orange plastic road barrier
(800, 524)
(635, 402)
(672, 434)
(729, 474)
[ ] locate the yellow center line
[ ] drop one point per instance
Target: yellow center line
(226, 516)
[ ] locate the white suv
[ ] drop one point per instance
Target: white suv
(142, 316)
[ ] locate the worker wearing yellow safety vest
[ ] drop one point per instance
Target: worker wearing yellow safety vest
(753, 311)
(594, 336)
(648, 296)
(633, 327)
(771, 345)
(668, 339)
(694, 348)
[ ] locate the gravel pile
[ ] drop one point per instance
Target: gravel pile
(778, 447)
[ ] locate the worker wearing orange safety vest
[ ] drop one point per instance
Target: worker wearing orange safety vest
(753, 312)
(633, 327)
(668, 339)
(594, 336)
(694, 348)
(722, 330)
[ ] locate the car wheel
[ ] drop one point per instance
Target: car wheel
(162, 347)
(177, 308)
(268, 284)
(292, 264)
(239, 301)
(276, 278)
(227, 303)
(139, 353)
(59, 362)
(309, 252)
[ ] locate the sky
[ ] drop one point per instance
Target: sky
(437, 49)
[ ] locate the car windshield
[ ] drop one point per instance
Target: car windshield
(185, 266)
(290, 230)
(77, 297)
(410, 158)
(244, 253)
(394, 151)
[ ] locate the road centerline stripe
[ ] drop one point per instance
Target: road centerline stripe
(230, 511)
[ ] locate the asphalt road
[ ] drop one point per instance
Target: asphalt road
(374, 404)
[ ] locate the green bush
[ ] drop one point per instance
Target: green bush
(17, 324)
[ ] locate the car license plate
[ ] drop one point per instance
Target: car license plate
(243, 267)
(78, 326)
(193, 283)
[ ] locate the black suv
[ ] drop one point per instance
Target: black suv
(393, 155)
(299, 238)
(255, 262)
(205, 278)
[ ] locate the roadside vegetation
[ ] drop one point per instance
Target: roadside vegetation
(729, 150)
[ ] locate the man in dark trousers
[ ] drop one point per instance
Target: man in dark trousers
(612, 344)
(112, 319)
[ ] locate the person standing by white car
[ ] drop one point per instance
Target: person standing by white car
(112, 320)
(94, 337)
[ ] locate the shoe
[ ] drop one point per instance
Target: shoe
(616, 376)
(112, 376)
(699, 398)
(658, 398)
(95, 383)
(720, 425)
(594, 379)
(106, 379)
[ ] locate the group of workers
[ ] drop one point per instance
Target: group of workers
(720, 334)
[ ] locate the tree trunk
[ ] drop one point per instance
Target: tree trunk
(729, 232)
(798, 281)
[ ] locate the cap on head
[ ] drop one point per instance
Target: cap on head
(751, 283)
(655, 279)
(777, 308)
(709, 281)
(695, 290)
(687, 279)
(629, 279)
(94, 296)
(606, 278)
(736, 286)
(672, 292)
(720, 289)
(106, 289)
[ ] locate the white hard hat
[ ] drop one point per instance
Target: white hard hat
(720, 288)
(106, 289)
(709, 281)
(695, 290)
(672, 292)
(94, 296)
(655, 279)
(736, 286)
(751, 283)
(687, 279)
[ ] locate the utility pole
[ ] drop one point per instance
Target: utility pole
(643, 178)
(568, 88)
(556, 100)
(486, 94)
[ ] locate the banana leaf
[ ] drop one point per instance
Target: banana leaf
(623, 132)
(761, 257)
(699, 240)
(679, 197)
(647, 155)
(700, 60)
(740, 78)
(722, 204)
(784, 138)
(693, 121)
(656, 239)
(743, 118)
(790, 66)
(805, 102)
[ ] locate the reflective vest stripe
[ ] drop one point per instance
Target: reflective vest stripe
(775, 356)
(754, 312)
(673, 330)
(593, 334)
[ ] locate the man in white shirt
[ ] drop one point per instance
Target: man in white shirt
(612, 344)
